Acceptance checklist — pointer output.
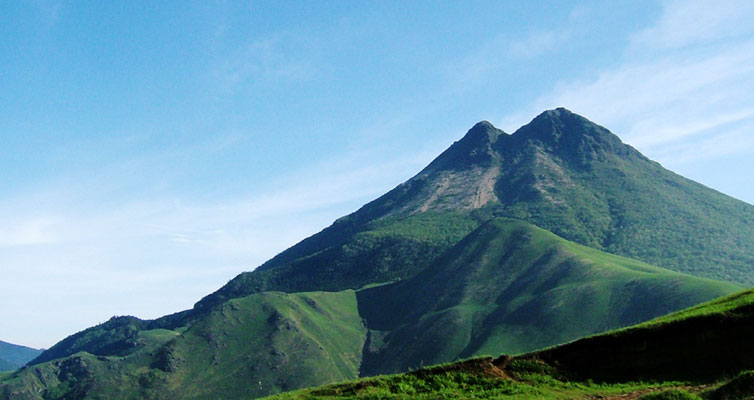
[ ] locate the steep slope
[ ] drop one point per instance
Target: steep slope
(706, 342)
(697, 346)
(512, 287)
(384, 250)
(14, 356)
(394, 236)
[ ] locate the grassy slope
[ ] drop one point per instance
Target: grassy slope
(267, 343)
(709, 341)
(385, 250)
(351, 254)
(247, 347)
(505, 281)
(478, 379)
(512, 287)
(684, 346)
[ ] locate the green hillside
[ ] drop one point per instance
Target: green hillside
(704, 352)
(507, 286)
(249, 347)
(512, 287)
(717, 336)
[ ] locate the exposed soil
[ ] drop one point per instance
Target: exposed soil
(482, 366)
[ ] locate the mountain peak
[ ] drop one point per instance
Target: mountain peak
(482, 132)
(571, 135)
(474, 148)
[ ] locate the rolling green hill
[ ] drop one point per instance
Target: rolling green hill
(263, 343)
(512, 287)
(702, 352)
(507, 286)
(14, 356)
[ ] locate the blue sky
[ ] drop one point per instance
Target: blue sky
(150, 151)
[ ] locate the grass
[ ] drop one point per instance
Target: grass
(740, 387)
(470, 379)
(276, 340)
(673, 394)
(385, 250)
(510, 287)
(738, 304)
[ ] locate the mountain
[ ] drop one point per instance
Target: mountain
(705, 349)
(560, 172)
(503, 244)
(6, 365)
(14, 356)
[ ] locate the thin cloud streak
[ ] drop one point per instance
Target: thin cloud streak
(688, 94)
(691, 23)
(152, 258)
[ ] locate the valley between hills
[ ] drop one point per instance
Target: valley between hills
(553, 262)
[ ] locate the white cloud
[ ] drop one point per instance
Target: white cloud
(691, 23)
(153, 257)
(274, 58)
(687, 94)
(501, 50)
(37, 230)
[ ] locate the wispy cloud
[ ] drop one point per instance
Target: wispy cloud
(693, 23)
(49, 11)
(503, 50)
(281, 56)
(153, 257)
(673, 89)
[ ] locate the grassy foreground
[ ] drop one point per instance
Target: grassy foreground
(479, 378)
(704, 352)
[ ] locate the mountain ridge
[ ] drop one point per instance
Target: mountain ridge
(13, 356)
(582, 183)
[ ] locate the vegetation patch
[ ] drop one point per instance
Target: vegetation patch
(740, 387)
